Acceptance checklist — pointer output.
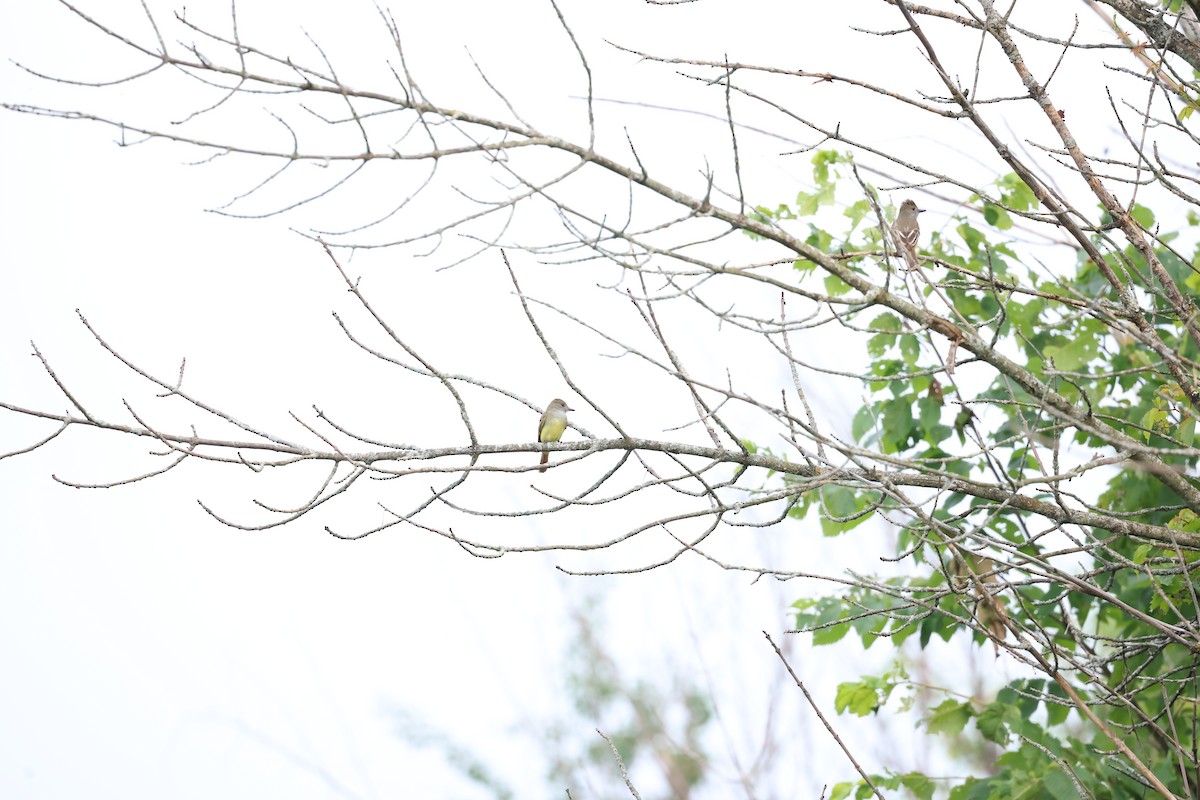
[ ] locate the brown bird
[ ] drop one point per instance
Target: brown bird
(906, 230)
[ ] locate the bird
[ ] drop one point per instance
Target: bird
(551, 426)
(906, 230)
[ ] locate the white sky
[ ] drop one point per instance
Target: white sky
(147, 651)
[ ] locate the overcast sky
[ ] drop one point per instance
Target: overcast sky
(148, 650)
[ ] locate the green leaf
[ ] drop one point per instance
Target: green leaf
(931, 412)
(841, 791)
(822, 160)
(862, 424)
(807, 204)
(1142, 216)
(973, 237)
(838, 501)
(1075, 353)
(1056, 713)
(993, 721)
(950, 717)
(1152, 419)
(878, 344)
(887, 321)
(897, 425)
(857, 698)
(835, 286)
(997, 217)
(938, 624)
(936, 434)
(831, 609)
(974, 789)
(918, 784)
(1185, 520)
(1059, 786)
(1016, 193)
(863, 792)
(1187, 431)
(857, 212)
(830, 635)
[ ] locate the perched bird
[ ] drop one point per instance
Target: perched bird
(990, 613)
(551, 426)
(906, 230)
